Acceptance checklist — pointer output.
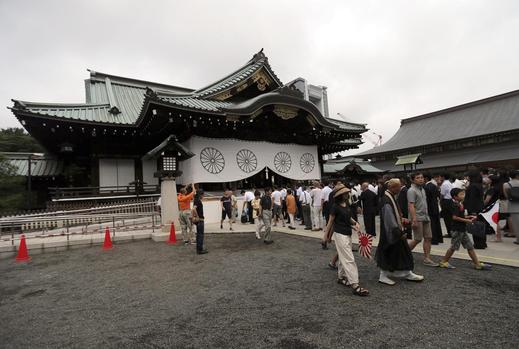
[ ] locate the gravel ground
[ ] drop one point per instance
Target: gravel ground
(244, 294)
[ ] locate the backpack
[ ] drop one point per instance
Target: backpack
(514, 193)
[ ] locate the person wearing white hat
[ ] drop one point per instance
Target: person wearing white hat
(341, 224)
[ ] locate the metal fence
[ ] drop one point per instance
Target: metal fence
(67, 219)
(71, 226)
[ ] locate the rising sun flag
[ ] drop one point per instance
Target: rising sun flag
(365, 244)
(491, 215)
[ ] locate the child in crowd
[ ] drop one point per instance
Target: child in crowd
(459, 231)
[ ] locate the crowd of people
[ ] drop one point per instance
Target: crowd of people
(410, 210)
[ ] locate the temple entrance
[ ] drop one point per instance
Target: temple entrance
(262, 179)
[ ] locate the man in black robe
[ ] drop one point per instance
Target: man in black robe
(393, 256)
(432, 192)
(369, 204)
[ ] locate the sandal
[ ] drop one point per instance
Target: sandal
(343, 282)
(359, 291)
(332, 266)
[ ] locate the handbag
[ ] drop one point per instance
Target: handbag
(477, 229)
(194, 217)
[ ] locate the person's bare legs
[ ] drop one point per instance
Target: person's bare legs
(427, 248)
(473, 256)
(413, 243)
(448, 255)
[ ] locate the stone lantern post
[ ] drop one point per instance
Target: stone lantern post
(168, 155)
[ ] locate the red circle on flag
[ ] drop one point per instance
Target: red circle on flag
(364, 240)
(495, 217)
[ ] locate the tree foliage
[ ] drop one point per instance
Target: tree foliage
(17, 140)
(12, 188)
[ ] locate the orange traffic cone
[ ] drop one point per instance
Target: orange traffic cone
(107, 245)
(23, 254)
(172, 235)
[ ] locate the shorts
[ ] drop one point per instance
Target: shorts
(227, 213)
(461, 238)
(422, 230)
(276, 210)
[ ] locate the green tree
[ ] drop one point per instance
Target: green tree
(17, 140)
(12, 188)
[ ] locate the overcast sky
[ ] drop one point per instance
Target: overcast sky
(381, 60)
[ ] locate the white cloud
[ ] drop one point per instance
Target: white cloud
(381, 60)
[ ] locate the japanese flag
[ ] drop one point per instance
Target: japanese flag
(491, 215)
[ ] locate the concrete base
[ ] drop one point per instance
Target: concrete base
(161, 237)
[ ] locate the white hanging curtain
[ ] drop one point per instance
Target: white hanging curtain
(228, 160)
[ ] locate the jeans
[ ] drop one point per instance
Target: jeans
(200, 236)
(306, 216)
(267, 220)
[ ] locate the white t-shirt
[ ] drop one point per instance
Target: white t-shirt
(460, 184)
(248, 196)
(283, 194)
(299, 191)
(326, 193)
(305, 198)
(276, 197)
(445, 190)
(316, 195)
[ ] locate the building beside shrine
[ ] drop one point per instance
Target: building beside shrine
(483, 133)
(247, 127)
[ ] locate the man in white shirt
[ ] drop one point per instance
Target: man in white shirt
(284, 203)
(248, 196)
(299, 215)
(373, 188)
(445, 192)
(326, 203)
(276, 209)
(316, 209)
(306, 202)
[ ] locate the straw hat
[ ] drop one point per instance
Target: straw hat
(340, 189)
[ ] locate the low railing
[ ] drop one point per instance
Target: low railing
(74, 225)
(83, 192)
(62, 218)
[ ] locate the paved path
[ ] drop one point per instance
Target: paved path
(504, 253)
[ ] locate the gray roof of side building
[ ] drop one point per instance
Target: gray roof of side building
(482, 117)
(40, 167)
(462, 157)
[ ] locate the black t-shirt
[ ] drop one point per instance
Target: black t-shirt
(199, 207)
(266, 202)
(342, 221)
(456, 209)
(226, 202)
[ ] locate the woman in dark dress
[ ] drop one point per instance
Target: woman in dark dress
(393, 256)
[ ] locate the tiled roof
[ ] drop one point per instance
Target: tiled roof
(119, 101)
(483, 117)
(258, 61)
(196, 103)
(44, 167)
